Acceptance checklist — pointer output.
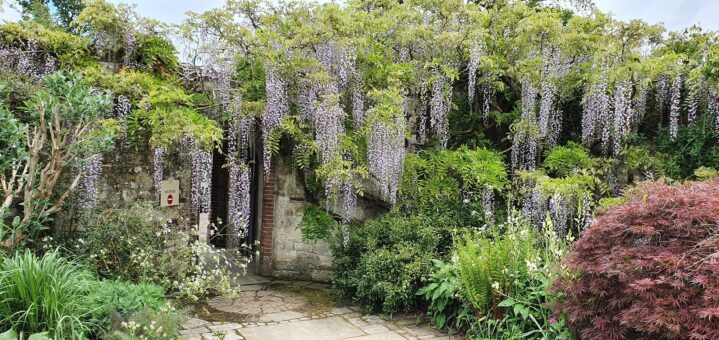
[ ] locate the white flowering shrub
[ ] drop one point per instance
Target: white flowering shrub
(137, 244)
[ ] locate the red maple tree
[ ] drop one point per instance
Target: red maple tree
(649, 268)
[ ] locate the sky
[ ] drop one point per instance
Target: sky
(675, 14)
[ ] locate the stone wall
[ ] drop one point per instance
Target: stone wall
(127, 179)
(292, 258)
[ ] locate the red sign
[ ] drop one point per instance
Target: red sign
(169, 199)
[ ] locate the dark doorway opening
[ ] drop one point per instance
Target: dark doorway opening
(220, 199)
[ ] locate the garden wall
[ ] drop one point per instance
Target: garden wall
(289, 256)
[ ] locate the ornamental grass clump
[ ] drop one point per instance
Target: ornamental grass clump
(48, 293)
(648, 268)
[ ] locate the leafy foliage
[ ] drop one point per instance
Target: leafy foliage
(447, 307)
(383, 262)
(136, 244)
(46, 293)
(563, 160)
(317, 224)
(643, 269)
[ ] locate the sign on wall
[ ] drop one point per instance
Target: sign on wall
(170, 193)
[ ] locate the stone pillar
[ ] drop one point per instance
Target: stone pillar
(267, 222)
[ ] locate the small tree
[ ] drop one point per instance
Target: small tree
(61, 128)
(648, 268)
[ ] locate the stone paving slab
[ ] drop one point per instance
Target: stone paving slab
(334, 328)
(267, 310)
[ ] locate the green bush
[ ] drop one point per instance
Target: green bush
(447, 307)
(695, 146)
(125, 299)
(445, 182)
(563, 160)
(48, 293)
(489, 265)
(155, 54)
(150, 324)
(383, 263)
(137, 244)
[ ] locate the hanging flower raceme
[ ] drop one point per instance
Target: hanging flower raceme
(158, 162)
(623, 114)
(238, 214)
(529, 100)
(276, 107)
(386, 156)
(525, 145)
(28, 60)
(694, 99)
(91, 172)
(713, 104)
(439, 108)
(240, 174)
(475, 53)
(488, 204)
(201, 181)
(675, 106)
(597, 103)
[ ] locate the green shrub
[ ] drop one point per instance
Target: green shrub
(46, 293)
(490, 264)
(444, 182)
(695, 146)
(137, 244)
(155, 54)
(162, 324)
(447, 307)
(563, 160)
(382, 264)
(125, 299)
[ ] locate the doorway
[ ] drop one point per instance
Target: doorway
(220, 199)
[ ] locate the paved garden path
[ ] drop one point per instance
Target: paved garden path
(295, 310)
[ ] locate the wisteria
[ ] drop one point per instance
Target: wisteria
(675, 106)
(534, 206)
(487, 97)
(423, 111)
(525, 146)
(327, 121)
(596, 103)
(129, 44)
(201, 179)
(623, 114)
(439, 108)
(122, 108)
(339, 61)
(529, 100)
(548, 114)
(640, 103)
(662, 92)
(386, 156)
(694, 101)
(28, 60)
(475, 53)
(240, 174)
(713, 105)
(158, 162)
(91, 172)
(276, 107)
(348, 195)
(238, 205)
(559, 210)
(488, 204)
